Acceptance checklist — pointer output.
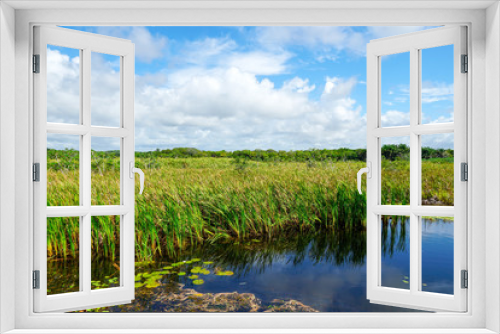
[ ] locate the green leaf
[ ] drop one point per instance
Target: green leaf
(198, 282)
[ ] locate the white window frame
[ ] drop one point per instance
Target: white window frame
(414, 43)
(484, 103)
(86, 43)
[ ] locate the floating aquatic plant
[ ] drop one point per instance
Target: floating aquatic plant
(193, 277)
(152, 283)
(181, 273)
(198, 282)
(196, 270)
(224, 273)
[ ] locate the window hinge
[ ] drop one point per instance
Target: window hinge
(464, 172)
(36, 172)
(465, 64)
(36, 279)
(36, 63)
(465, 279)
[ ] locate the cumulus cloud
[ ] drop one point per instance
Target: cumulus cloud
(205, 51)
(147, 46)
(258, 62)
(63, 88)
(395, 118)
(339, 38)
(328, 41)
(220, 108)
(436, 91)
(199, 55)
(445, 140)
(298, 85)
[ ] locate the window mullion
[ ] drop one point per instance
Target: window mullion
(85, 172)
(414, 170)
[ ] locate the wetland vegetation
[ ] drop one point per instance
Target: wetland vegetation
(246, 208)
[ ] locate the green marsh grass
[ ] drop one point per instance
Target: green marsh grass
(191, 201)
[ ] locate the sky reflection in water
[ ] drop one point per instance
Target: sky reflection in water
(326, 271)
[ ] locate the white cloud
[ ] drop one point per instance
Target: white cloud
(433, 92)
(444, 140)
(375, 32)
(336, 37)
(63, 88)
(395, 118)
(230, 109)
(147, 46)
(298, 85)
(223, 53)
(225, 108)
(205, 51)
(328, 40)
(258, 62)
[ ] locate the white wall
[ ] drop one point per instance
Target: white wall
(7, 162)
(492, 165)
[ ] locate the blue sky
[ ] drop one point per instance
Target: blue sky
(256, 87)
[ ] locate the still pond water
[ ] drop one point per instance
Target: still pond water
(326, 271)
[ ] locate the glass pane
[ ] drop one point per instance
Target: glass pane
(437, 84)
(105, 171)
(63, 170)
(105, 252)
(395, 243)
(437, 255)
(438, 169)
(63, 85)
(63, 241)
(395, 169)
(105, 92)
(395, 89)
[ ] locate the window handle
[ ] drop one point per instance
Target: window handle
(368, 171)
(134, 170)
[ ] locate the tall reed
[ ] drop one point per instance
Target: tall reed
(190, 201)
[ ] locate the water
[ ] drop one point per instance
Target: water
(326, 271)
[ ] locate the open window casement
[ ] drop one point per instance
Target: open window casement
(415, 46)
(80, 120)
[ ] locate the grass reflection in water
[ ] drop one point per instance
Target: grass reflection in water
(324, 271)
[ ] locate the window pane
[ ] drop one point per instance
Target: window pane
(63, 170)
(395, 169)
(437, 255)
(63, 85)
(395, 243)
(63, 244)
(437, 169)
(105, 251)
(105, 93)
(437, 84)
(105, 171)
(395, 90)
